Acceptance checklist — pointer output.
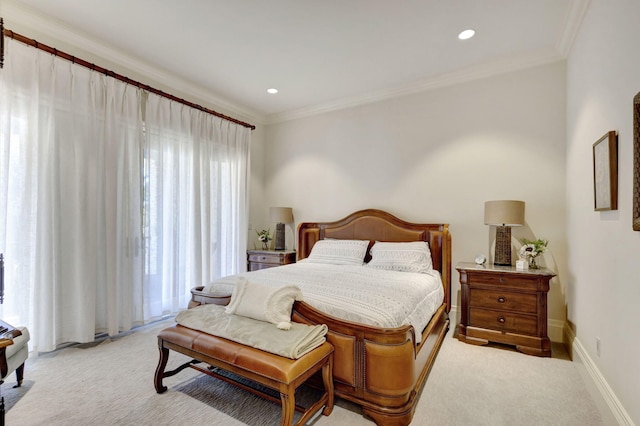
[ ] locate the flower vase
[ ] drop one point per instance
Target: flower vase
(532, 263)
(265, 245)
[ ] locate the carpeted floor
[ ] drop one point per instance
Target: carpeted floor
(111, 383)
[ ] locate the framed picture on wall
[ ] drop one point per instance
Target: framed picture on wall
(605, 172)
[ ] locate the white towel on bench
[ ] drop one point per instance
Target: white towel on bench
(292, 343)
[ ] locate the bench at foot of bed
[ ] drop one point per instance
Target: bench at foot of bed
(282, 374)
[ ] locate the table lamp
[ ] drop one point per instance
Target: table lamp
(280, 215)
(503, 214)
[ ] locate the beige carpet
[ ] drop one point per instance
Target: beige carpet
(111, 383)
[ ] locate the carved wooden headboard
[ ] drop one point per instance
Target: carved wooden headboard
(377, 225)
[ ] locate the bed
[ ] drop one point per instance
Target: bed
(380, 368)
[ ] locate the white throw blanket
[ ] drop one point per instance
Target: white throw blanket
(264, 303)
(292, 343)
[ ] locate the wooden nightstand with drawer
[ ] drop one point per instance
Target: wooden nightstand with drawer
(503, 305)
(261, 259)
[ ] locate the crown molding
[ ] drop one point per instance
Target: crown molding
(475, 72)
(49, 30)
(573, 20)
(576, 12)
(54, 31)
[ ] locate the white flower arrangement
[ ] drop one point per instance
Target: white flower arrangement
(531, 249)
(264, 236)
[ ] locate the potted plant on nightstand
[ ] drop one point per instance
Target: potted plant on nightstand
(531, 249)
(264, 236)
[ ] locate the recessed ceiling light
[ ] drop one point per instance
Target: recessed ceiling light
(466, 34)
(272, 91)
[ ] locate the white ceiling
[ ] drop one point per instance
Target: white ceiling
(322, 54)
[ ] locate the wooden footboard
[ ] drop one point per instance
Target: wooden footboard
(382, 370)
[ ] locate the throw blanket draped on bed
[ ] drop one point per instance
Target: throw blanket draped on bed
(292, 343)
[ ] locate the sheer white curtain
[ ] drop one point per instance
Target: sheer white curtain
(69, 153)
(105, 223)
(196, 201)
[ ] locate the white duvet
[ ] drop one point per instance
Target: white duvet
(360, 294)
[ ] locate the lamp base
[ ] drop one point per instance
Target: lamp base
(279, 237)
(502, 255)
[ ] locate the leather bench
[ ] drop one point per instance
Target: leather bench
(282, 374)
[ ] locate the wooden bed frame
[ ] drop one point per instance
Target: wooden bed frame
(381, 369)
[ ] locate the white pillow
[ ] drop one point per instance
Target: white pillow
(413, 256)
(264, 303)
(339, 252)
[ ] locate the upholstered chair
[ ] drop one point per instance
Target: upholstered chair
(13, 348)
(15, 356)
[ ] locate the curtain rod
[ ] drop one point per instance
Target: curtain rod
(82, 62)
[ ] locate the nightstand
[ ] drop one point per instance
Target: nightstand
(503, 305)
(261, 259)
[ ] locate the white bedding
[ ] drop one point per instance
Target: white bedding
(356, 293)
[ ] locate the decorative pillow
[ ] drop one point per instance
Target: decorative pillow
(339, 252)
(413, 256)
(264, 303)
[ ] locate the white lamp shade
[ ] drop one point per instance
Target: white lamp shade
(504, 213)
(281, 214)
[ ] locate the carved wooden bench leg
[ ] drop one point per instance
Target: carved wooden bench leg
(327, 398)
(327, 379)
(162, 363)
(288, 400)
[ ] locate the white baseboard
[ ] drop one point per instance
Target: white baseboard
(609, 401)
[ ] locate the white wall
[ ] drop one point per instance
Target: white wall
(436, 156)
(603, 75)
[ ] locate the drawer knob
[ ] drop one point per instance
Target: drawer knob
(263, 257)
(501, 320)
(501, 280)
(502, 299)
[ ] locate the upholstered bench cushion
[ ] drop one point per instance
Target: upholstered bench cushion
(269, 365)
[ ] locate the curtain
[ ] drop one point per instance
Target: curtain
(114, 202)
(196, 216)
(69, 141)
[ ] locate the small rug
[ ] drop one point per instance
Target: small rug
(242, 405)
(12, 395)
(218, 402)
